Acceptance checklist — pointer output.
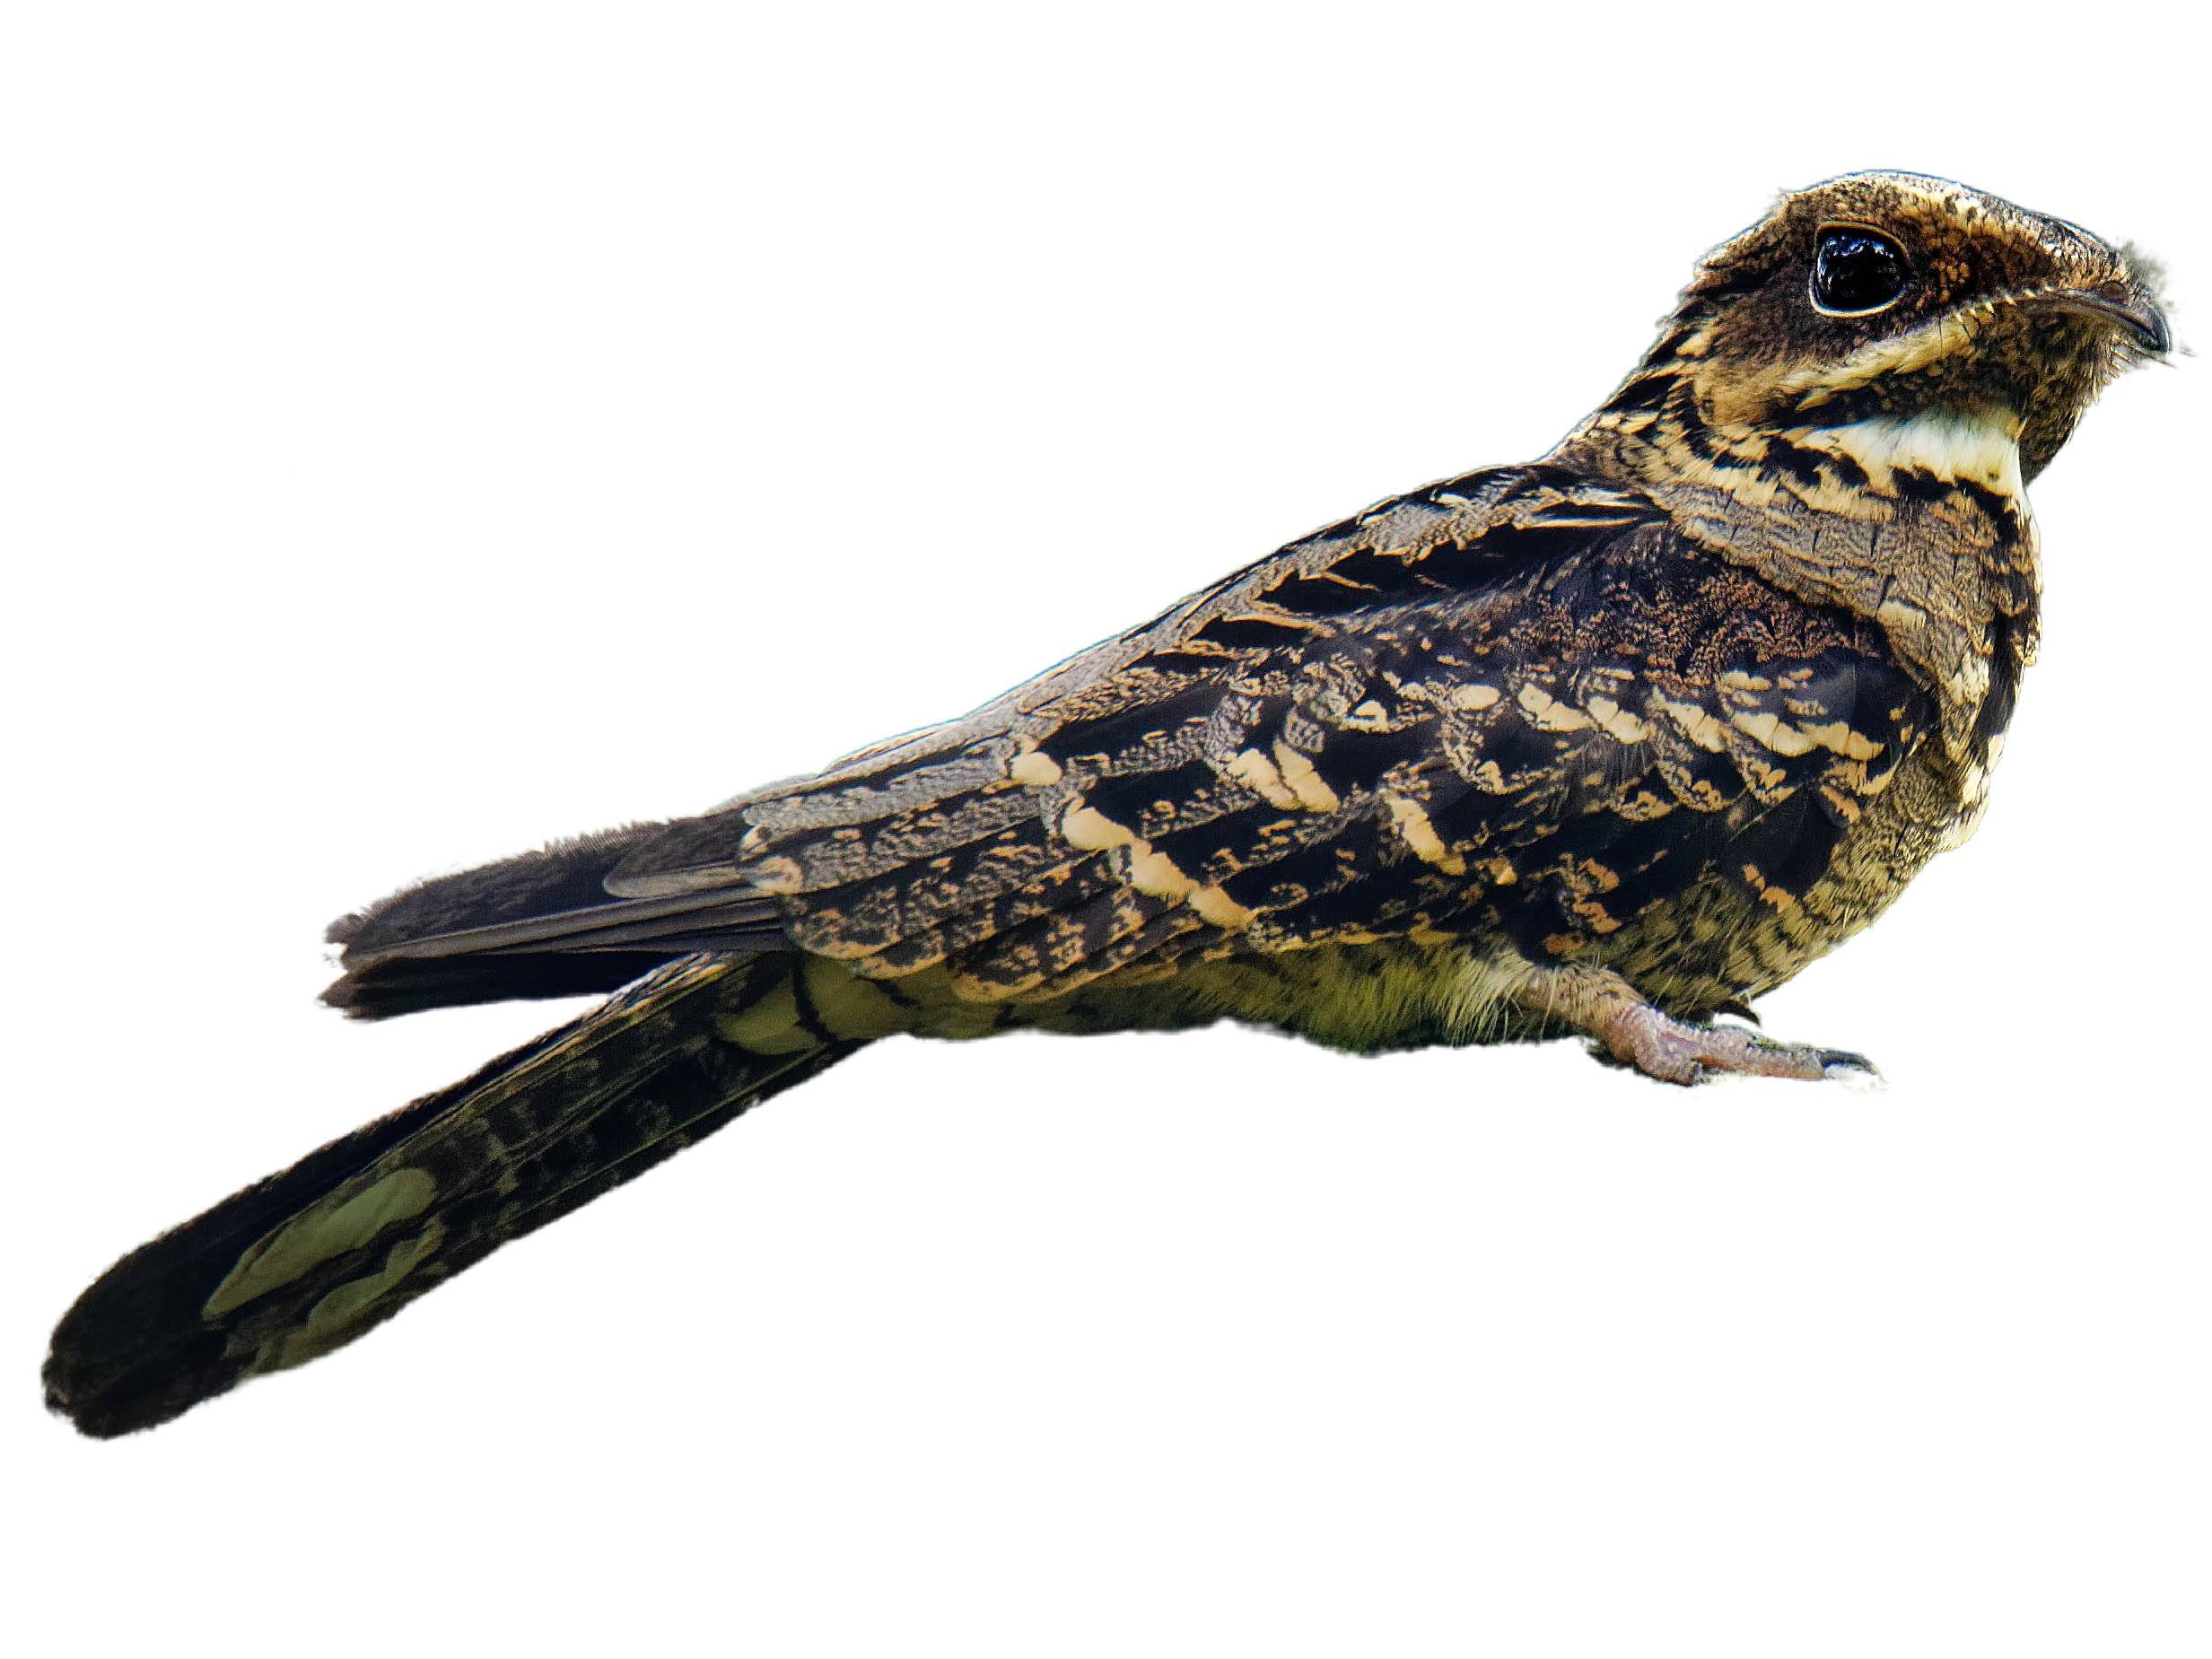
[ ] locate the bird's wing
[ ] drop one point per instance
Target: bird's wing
(1519, 702)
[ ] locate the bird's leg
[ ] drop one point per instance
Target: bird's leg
(1604, 1006)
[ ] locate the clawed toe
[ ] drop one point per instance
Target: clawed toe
(1631, 1031)
(1674, 1051)
(1839, 1065)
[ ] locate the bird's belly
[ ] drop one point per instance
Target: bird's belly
(1391, 993)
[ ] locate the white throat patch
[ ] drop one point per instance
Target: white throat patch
(1984, 450)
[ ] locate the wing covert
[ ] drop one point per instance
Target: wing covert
(1519, 702)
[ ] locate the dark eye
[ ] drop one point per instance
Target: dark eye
(1856, 271)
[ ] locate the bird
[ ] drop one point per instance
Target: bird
(1603, 745)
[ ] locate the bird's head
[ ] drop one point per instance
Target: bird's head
(1898, 295)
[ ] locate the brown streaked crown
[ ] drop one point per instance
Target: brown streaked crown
(1998, 313)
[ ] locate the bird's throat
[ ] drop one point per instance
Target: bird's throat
(1898, 454)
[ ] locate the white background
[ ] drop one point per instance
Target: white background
(434, 428)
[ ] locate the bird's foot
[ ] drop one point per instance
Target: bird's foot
(1628, 1029)
(1674, 1051)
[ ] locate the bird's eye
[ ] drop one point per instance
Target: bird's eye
(1856, 271)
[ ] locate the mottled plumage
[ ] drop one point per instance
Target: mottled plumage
(1608, 743)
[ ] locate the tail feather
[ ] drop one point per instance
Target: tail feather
(308, 1259)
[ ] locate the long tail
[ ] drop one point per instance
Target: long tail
(308, 1259)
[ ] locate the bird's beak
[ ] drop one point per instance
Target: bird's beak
(2124, 304)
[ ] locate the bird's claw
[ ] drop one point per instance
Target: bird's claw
(1674, 1051)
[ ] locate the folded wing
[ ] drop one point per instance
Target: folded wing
(1518, 702)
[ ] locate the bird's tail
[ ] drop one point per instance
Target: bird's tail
(310, 1259)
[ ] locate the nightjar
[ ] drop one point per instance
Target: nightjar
(1607, 744)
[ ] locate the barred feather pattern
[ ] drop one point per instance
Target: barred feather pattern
(1518, 706)
(1607, 743)
(316, 1256)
